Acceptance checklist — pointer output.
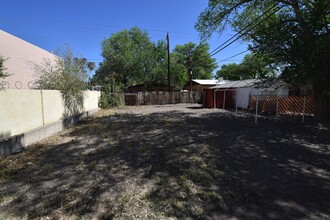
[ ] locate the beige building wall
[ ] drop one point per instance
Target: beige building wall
(21, 57)
(53, 105)
(91, 99)
(25, 110)
(20, 111)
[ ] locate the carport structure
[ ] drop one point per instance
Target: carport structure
(230, 94)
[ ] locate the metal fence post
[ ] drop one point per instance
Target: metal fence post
(214, 99)
(224, 99)
(236, 103)
(304, 107)
(257, 105)
(276, 103)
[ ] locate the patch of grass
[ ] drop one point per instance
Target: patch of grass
(82, 176)
(48, 167)
(212, 197)
(92, 165)
(200, 177)
(2, 198)
(5, 173)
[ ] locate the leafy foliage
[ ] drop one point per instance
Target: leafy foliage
(110, 97)
(159, 74)
(253, 66)
(129, 55)
(3, 73)
(68, 74)
(231, 71)
(109, 100)
(131, 58)
(196, 58)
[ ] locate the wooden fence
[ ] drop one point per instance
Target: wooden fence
(285, 105)
(161, 98)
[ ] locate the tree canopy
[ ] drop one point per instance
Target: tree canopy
(196, 58)
(231, 71)
(295, 34)
(131, 58)
(128, 54)
(253, 66)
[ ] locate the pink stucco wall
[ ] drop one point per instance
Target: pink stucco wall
(21, 57)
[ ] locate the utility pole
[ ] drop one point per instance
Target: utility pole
(168, 62)
(190, 77)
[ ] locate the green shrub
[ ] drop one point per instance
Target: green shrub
(109, 100)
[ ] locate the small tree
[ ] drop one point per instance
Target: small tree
(3, 73)
(68, 74)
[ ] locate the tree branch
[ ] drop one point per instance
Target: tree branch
(228, 11)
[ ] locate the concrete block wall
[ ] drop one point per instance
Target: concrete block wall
(25, 110)
(53, 106)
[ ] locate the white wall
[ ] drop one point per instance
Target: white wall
(24, 110)
(53, 105)
(243, 95)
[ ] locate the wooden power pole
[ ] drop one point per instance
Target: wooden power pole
(168, 63)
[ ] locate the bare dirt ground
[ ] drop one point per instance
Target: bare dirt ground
(171, 162)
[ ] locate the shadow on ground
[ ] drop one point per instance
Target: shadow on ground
(172, 164)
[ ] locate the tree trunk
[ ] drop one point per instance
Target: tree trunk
(321, 97)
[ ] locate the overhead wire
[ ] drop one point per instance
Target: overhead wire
(233, 56)
(244, 31)
(88, 28)
(240, 34)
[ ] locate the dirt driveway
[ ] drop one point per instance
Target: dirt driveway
(171, 162)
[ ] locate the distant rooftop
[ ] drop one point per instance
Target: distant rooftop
(209, 81)
(236, 84)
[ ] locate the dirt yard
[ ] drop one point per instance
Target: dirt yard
(171, 162)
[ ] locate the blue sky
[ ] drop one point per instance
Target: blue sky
(84, 24)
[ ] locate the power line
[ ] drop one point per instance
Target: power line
(87, 27)
(233, 56)
(226, 44)
(243, 29)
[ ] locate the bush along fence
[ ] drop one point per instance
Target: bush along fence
(162, 98)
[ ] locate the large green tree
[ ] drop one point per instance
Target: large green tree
(257, 66)
(294, 33)
(128, 55)
(231, 71)
(253, 66)
(131, 58)
(196, 58)
(159, 73)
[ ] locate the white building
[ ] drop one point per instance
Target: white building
(242, 90)
(21, 59)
